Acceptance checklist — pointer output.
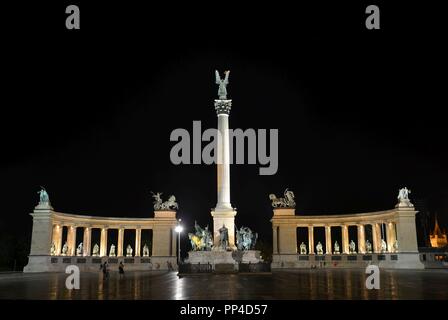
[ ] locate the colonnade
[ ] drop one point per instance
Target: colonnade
(87, 240)
(390, 237)
(48, 230)
(399, 232)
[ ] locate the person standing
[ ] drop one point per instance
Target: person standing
(121, 269)
(105, 271)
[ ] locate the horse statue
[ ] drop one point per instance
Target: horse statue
(246, 239)
(201, 240)
(170, 204)
(286, 202)
(196, 242)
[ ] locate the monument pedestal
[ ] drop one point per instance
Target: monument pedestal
(211, 257)
(220, 258)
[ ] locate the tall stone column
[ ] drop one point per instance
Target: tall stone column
(391, 236)
(57, 238)
(103, 242)
(223, 214)
(120, 242)
(376, 237)
(345, 246)
(361, 239)
(71, 240)
(328, 239)
(87, 241)
(138, 236)
(310, 239)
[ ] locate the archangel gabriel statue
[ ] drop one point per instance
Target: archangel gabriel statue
(222, 91)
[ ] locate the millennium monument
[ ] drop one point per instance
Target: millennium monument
(223, 214)
(229, 246)
(386, 238)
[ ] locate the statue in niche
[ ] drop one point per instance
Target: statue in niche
(145, 251)
(65, 249)
(79, 250)
(53, 249)
(319, 249)
(112, 251)
(96, 250)
(302, 248)
(286, 202)
(336, 248)
(129, 251)
(352, 247)
(396, 246)
(368, 247)
(383, 246)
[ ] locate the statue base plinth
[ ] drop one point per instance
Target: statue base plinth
(211, 257)
(216, 257)
(404, 204)
(44, 206)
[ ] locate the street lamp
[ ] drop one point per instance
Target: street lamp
(178, 229)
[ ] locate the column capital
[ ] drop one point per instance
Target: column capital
(223, 106)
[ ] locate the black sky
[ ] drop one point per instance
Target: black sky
(88, 113)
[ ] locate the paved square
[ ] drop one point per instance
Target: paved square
(295, 284)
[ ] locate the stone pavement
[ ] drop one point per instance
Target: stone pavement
(294, 284)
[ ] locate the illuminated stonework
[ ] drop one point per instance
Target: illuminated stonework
(438, 237)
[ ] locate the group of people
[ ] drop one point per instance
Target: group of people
(104, 267)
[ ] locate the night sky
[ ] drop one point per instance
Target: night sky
(88, 113)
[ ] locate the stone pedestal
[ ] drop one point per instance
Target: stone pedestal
(211, 257)
(249, 256)
(218, 258)
(40, 239)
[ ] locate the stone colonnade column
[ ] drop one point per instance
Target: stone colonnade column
(138, 236)
(57, 238)
(311, 239)
(376, 237)
(87, 241)
(120, 242)
(345, 248)
(328, 239)
(391, 236)
(103, 242)
(71, 240)
(361, 239)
